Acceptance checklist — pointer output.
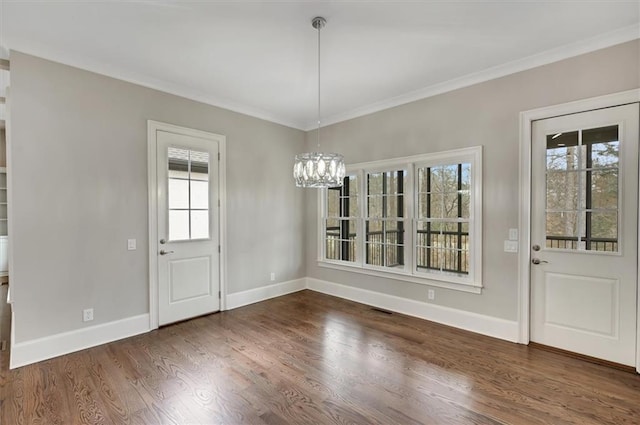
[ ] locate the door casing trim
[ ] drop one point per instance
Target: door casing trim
(524, 210)
(152, 128)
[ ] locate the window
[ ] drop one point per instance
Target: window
(188, 194)
(418, 219)
(582, 169)
(341, 228)
(442, 220)
(384, 225)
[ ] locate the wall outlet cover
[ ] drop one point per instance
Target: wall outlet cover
(87, 315)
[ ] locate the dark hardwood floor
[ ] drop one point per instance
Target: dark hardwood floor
(309, 358)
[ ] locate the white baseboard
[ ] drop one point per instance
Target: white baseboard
(27, 352)
(478, 323)
(239, 299)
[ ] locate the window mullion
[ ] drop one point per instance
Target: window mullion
(588, 195)
(344, 224)
(578, 207)
(459, 239)
(429, 246)
(400, 215)
(364, 190)
(189, 191)
(385, 215)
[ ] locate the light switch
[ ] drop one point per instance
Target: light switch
(510, 246)
(513, 234)
(131, 244)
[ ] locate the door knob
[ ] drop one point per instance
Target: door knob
(538, 261)
(163, 252)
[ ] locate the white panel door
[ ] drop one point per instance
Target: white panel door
(188, 227)
(585, 233)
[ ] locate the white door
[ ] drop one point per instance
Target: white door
(585, 233)
(188, 226)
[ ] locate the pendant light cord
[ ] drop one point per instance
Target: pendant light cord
(319, 28)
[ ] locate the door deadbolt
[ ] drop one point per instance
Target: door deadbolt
(535, 247)
(163, 241)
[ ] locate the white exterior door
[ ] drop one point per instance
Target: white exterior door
(187, 226)
(585, 233)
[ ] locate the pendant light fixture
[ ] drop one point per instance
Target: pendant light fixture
(318, 169)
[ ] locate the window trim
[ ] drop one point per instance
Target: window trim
(471, 283)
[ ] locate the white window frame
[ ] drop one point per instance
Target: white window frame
(324, 217)
(469, 283)
(406, 220)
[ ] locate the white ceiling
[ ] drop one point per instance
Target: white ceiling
(259, 57)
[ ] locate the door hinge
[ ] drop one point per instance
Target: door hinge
(218, 202)
(219, 249)
(218, 156)
(219, 294)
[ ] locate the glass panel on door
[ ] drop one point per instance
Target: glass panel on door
(188, 193)
(582, 190)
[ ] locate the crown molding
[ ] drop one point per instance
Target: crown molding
(619, 36)
(602, 41)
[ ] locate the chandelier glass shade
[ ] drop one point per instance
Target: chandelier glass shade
(318, 169)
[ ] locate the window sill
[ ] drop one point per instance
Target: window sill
(437, 281)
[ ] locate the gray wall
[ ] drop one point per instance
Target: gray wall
(3, 148)
(79, 163)
(80, 184)
(484, 114)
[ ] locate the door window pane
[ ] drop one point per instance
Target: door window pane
(178, 225)
(562, 151)
(604, 225)
(199, 195)
(178, 194)
(562, 190)
(188, 194)
(582, 189)
(604, 146)
(199, 224)
(178, 163)
(604, 189)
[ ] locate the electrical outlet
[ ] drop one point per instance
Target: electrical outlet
(431, 294)
(131, 244)
(87, 315)
(273, 276)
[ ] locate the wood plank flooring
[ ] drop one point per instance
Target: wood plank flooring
(308, 358)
